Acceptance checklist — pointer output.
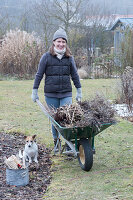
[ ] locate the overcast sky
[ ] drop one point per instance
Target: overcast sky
(115, 6)
(118, 6)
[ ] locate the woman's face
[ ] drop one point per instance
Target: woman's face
(60, 43)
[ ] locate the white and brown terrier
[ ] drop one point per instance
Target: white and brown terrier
(30, 151)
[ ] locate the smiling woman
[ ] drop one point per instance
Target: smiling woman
(59, 66)
(60, 47)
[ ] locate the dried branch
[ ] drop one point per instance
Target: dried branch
(87, 113)
(127, 86)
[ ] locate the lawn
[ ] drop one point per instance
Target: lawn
(111, 176)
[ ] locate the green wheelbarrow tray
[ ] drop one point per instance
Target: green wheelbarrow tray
(80, 132)
(74, 134)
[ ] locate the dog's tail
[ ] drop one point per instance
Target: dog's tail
(20, 154)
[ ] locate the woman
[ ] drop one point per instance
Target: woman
(57, 65)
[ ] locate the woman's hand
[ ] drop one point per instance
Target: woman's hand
(79, 94)
(34, 95)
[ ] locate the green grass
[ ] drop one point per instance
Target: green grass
(111, 176)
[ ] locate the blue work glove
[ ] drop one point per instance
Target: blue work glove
(34, 95)
(79, 94)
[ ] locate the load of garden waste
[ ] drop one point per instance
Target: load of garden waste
(91, 113)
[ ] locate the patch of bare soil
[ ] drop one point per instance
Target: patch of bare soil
(39, 174)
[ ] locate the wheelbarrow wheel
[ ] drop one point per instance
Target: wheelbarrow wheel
(85, 156)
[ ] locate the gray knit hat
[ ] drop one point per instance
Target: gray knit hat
(60, 33)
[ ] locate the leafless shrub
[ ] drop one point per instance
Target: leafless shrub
(81, 58)
(126, 52)
(127, 86)
(20, 53)
(83, 74)
(103, 66)
(119, 92)
(87, 113)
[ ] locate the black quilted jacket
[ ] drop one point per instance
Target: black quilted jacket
(57, 74)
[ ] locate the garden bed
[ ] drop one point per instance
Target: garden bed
(39, 173)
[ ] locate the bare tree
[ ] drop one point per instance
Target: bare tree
(51, 14)
(5, 24)
(43, 21)
(25, 23)
(67, 12)
(79, 18)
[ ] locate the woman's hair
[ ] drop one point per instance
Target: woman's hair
(67, 53)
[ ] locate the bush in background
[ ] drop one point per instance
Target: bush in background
(83, 73)
(81, 58)
(20, 53)
(127, 86)
(120, 99)
(126, 51)
(124, 88)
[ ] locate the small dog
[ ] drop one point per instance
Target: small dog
(30, 151)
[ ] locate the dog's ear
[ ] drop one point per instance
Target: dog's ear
(25, 137)
(33, 137)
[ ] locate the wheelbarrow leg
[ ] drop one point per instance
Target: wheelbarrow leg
(72, 147)
(57, 147)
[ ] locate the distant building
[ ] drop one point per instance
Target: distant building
(115, 23)
(119, 28)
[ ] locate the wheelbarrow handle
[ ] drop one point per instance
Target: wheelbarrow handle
(42, 107)
(46, 113)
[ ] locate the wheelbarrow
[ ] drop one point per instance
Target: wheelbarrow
(79, 139)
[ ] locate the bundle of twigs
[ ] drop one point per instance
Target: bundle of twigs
(68, 115)
(87, 113)
(102, 109)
